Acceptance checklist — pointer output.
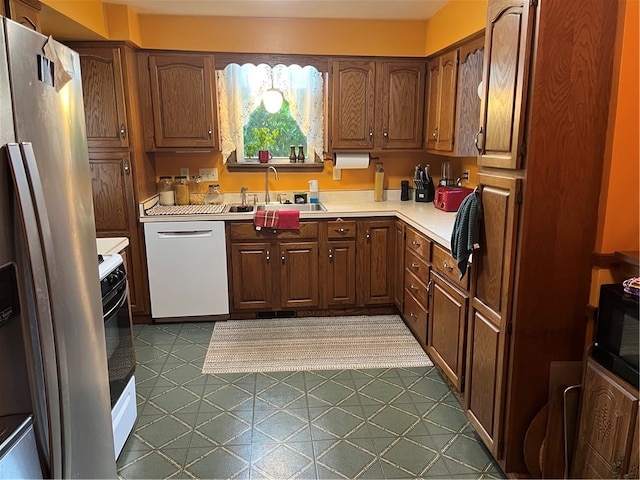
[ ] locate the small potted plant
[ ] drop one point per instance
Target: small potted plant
(264, 140)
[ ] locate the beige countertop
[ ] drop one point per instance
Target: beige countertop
(112, 244)
(424, 217)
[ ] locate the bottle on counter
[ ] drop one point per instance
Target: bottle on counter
(301, 154)
(214, 196)
(166, 195)
(293, 158)
(378, 191)
(181, 190)
(313, 191)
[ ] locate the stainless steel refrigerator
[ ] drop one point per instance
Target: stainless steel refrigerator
(53, 362)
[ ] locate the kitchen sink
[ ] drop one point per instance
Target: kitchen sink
(301, 207)
(238, 209)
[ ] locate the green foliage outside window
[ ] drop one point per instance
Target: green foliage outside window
(261, 123)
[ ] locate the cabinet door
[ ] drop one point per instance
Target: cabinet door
(104, 97)
(353, 86)
(433, 104)
(467, 101)
(183, 98)
(112, 188)
(605, 430)
(492, 282)
(398, 266)
(447, 330)
(402, 104)
(502, 112)
(340, 280)
(634, 459)
(25, 12)
(251, 269)
(446, 112)
(376, 261)
(299, 271)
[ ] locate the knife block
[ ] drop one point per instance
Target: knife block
(424, 195)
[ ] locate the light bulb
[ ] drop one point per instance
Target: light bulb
(272, 100)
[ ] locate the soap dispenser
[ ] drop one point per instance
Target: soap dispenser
(313, 191)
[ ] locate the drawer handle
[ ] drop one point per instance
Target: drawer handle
(413, 315)
(415, 244)
(415, 265)
(448, 267)
(342, 230)
(429, 288)
(413, 287)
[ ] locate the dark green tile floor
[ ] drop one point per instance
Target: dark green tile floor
(374, 423)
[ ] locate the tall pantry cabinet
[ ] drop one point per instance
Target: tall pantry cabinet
(545, 102)
(120, 170)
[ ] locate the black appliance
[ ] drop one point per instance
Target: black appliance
(617, 345)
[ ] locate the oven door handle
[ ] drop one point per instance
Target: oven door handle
(119, 305)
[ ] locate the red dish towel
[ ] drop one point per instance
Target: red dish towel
(277, 220)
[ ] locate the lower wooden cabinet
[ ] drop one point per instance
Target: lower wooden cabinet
(251, 271)
(608, 426)
(339, 286)
(299, 274)
(398, 268)
(447, 332)
(375, 245)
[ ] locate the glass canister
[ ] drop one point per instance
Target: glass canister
(195, 190)
(214, 196)
(165, 190)
(181, 190)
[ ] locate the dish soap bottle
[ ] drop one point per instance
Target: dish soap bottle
(379, 183)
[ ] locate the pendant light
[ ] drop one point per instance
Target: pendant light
(272, 98)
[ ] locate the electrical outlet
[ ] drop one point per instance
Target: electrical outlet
(208, 174)
(337, 173)
(184, 171)
(467, 174)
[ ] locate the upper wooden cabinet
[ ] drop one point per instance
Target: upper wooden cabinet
(25, 12)
(182, 102)
(104, 97)
(500, 138)
(377, 105)
(453, 106)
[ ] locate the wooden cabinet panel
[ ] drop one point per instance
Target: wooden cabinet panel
(103, 93)
(340, 277)
(433, 103)
(299, 272)
(418, 243)
(467, 100)
(416, 287)
(417, 266)
(247, 231)
(341, 229)
(444, 263)
(376, 264)
(402, 104)
(184, 102)
(398, 266)
(353, 89)
(252, 273)
(605, 431)
(112, 189)
(634, 455)
(415, 316)
(25, 12)
(446, 111)
(446, 338)
(485, 377)
(507, 46)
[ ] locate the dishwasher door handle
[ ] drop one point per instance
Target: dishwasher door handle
(186, 234)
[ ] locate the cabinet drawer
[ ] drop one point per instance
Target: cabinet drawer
(247, 231)
(341, 229)
(417, 266)
(416, 288)
(419, 244)
(444, 263)
(416, 318)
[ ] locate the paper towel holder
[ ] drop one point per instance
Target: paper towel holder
(335, 154)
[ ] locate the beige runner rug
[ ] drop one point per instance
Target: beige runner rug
(312, 343)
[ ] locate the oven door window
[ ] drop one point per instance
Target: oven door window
(121, 358)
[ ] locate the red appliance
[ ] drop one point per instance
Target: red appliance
(449, 199)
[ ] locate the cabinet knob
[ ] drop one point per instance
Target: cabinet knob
(429, 288)
(435, 133)
(367, 234)
(268, 256)
(413, 315)
(123, 132)
(282, 257)
(413, 287)
(448, 267)
(210, 132)
(415, 243)
(125, 167)
(385, 135)
(370, 133)
(477, 140)
(342, 230)
(331, 254)
(415, 266)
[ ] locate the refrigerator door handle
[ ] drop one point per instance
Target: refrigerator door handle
(38, 240)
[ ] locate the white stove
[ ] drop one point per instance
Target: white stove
(107, 263)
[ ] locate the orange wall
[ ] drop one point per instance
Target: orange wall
(619, 201)
(455, 21)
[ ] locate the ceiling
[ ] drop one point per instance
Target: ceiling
(353, 9)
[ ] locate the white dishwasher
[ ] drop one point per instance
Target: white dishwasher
(187, 263)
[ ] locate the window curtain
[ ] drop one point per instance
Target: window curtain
(240, 91)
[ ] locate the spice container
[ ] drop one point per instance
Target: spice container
(165, 191)
(181, 190)
(215, 196)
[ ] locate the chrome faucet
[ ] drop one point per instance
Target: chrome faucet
(266, 182)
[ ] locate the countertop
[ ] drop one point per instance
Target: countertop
(424, 217)
(112, 244)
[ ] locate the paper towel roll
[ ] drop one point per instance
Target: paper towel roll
(352, 160)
